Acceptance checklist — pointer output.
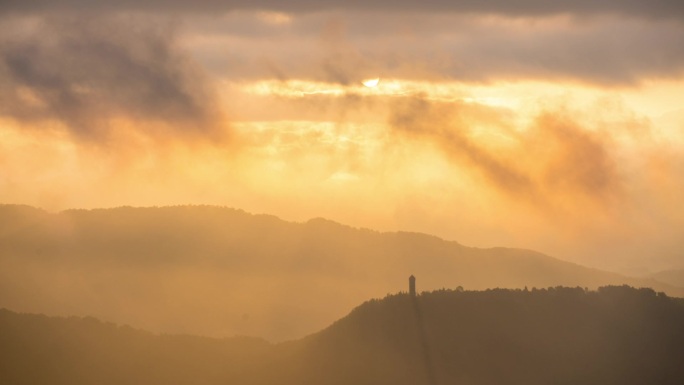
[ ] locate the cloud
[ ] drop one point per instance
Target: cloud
(447, 126)
(655, 8)
(578, 160)
(87, 72)
(556, 161)
(348, 47)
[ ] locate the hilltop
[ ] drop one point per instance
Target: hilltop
(616, 335)
(220, 272)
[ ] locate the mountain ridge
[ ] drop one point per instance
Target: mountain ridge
(238, 271)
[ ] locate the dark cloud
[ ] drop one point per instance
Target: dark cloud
(609, 51)
(347, 47)
(85, 72)
(346, 42)
(640, 8)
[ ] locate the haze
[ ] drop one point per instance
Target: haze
(554, 127)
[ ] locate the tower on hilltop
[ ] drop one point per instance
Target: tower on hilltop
(412, 285)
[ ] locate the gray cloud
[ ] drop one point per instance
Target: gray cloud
(639, 8)
(346, 47)
(86, 71)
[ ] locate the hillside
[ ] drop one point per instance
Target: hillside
(222, 272)
(617, 335)
(674, 277)
(35, 349)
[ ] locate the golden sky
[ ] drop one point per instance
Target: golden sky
(556, 127)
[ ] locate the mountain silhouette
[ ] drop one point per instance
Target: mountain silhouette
(220, 272)
(616, 335)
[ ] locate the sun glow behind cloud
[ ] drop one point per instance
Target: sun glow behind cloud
(370, 83)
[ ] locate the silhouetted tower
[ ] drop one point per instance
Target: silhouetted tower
(412, 285)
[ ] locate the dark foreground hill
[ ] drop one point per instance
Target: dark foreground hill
(220, 272)
(617, 335)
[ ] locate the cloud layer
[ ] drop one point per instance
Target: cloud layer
(347, 47)
(655, 8)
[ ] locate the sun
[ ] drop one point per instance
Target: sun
(371, 82)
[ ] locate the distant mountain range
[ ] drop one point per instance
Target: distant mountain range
(221, 272)
(615, 336)
(674, 277)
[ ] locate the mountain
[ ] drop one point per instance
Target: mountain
(221, 272)
(616, 335)
(674, 277)
(35, 349)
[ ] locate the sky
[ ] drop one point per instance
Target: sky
(553, 126)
